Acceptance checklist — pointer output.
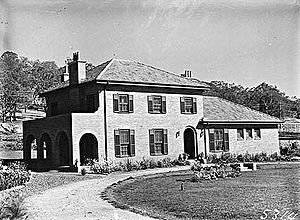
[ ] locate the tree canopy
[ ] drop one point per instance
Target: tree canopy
(264, 97)
(21, 80)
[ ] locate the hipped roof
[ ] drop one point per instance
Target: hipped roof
(124, 71)
(219, 110)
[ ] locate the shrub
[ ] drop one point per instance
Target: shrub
(213, 158)
(167, 162)
(144, 164)
(12, 206)
(214, 172)
(127, 165)
(196, 166)
(228, 158)
(182, 160)
(152, 164)
(83, 171)
(14, 174)
(107, 166)
(104, 166)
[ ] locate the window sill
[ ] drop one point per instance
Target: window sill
(156, 113)
(188, 113)
(217, 151)
(123, 156)
(158, 154)
(123, 112)
(240, 139)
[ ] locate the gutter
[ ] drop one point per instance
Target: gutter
(244, 122)
(139, 84)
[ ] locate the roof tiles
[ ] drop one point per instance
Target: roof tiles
(217, 109)
(135, 72)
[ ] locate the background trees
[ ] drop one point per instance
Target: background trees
(20, 82)
(264, 97)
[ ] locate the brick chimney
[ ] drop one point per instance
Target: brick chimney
(64, 74)
(76, 69)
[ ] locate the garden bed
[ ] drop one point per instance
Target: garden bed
(245, 197)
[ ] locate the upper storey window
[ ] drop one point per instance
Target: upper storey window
(157, 104)
(188, 105)
(123, 103)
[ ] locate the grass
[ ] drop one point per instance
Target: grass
(245, 197)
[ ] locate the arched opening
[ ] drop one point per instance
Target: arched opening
(64, 149)
(88, 147)
(30, 148)
(46, 146)
(190, 142)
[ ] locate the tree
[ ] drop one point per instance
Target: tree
(264, 97)
(21, 80)
(13, 71)
(43, 76)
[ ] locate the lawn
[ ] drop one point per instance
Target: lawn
(263, 193)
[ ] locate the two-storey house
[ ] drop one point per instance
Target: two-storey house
(126, 109)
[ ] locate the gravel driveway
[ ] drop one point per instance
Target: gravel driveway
(82, 200)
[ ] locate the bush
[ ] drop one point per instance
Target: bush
(15, 174)
(83, 171)
(213, 158)
(12, 206)
(287, 151)
(214, 172)
(102, 166)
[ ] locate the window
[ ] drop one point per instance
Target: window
(158, 139)
(248, 133)
(157, 104)
(123, 103)
(257, 134)
(90, 103)
(54, 108)
(188, 105)
(124, 143)
(218, 140)
(240, 134)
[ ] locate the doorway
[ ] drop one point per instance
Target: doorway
(190, 142)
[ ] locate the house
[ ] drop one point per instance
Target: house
(126, 109)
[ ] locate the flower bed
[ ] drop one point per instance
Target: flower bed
(107, 166)
(214, 172)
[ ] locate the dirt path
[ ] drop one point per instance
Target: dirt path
(81, 200)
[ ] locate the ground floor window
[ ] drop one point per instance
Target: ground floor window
(124, 143)
(257, 135)
(248, 133)
(218, 140)
(158, 140)
(240, 134)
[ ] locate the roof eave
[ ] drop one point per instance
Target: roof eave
(241, 122)
(140, 84)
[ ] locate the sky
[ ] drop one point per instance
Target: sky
(245, 42)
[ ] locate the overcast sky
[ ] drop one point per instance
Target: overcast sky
(242, 41)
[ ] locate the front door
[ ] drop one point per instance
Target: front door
(190, 143)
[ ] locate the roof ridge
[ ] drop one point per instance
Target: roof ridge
(174, 74)
(106, 67)
(259, 112)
